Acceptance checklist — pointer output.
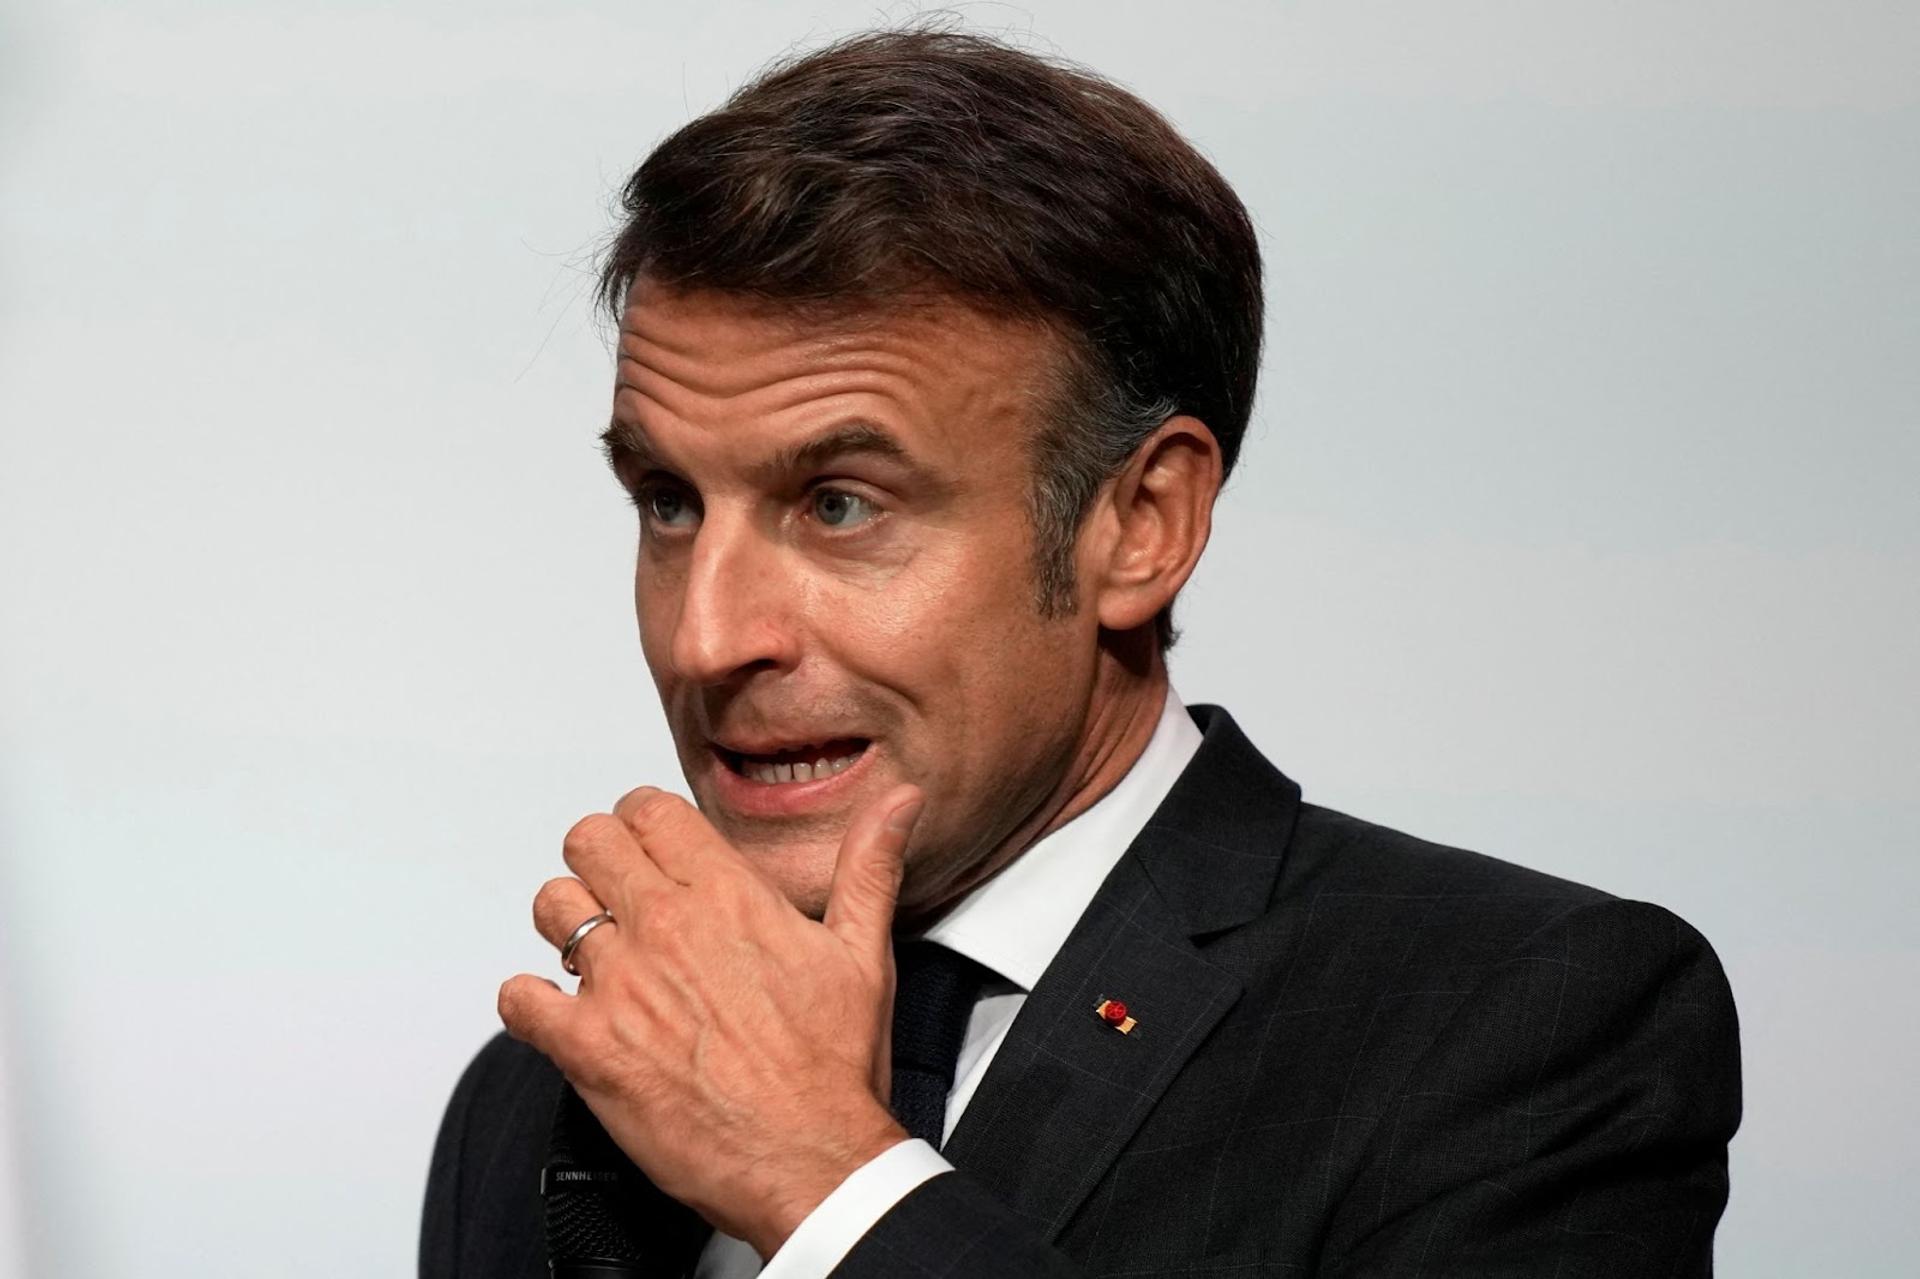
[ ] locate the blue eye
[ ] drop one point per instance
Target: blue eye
(665, 504)
(837, 508)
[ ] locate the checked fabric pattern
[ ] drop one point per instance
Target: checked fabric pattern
(1358, 1053)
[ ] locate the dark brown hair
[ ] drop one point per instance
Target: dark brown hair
(934, 163)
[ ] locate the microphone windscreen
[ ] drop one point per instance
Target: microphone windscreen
(604, 1218)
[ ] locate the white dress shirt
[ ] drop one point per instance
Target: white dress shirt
(1014, 924)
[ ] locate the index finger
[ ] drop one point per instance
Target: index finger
(676, 835)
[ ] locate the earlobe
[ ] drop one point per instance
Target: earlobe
(1162, 508)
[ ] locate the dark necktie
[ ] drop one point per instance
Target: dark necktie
(934, 991)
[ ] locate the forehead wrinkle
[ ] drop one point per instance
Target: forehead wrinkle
(726, 369)
(772, 390)
(626, 436)
(783, 349)
(847, 431)
(822, 395)
(759, 371)
(868, 385)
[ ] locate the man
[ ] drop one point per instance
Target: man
(933, 357)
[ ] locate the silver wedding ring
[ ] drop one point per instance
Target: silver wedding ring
(579, 935)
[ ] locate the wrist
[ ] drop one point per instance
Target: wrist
(799, 1183)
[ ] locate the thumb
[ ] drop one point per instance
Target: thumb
(866, 877)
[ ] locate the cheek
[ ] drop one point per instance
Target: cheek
(964, 643)
(656, 606)
(935, 622)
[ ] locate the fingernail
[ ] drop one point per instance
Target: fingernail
(901, 820)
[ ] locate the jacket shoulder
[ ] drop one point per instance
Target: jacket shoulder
(1574, 1104)
(1360, 910)
(1285, 851)
(1334, 852)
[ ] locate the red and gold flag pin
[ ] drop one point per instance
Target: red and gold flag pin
(1114, 1013)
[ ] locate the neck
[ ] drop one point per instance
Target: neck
(1129, 691)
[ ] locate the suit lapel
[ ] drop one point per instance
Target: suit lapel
(1066, 1092)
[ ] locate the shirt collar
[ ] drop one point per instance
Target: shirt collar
(1016, 922)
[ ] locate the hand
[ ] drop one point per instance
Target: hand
(736, 1050)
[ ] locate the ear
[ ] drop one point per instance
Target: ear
(1160, 513)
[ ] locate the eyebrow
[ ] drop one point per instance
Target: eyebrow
(624, 440)
(849, 439)
(627, 440)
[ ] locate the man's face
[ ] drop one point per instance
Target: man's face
(835, 577)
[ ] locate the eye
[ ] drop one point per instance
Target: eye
(837, 508)
(665, 503)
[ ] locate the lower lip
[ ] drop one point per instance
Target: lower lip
(749, 798)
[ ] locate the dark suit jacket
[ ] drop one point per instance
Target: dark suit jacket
(1357, 1053)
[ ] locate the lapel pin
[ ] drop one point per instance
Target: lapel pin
(1114, 1013)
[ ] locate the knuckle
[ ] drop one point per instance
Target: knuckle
(553, 896)
(632, 797)
(589, 832)
(656, 807)
(558, 911)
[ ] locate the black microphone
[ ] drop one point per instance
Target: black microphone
(604, 1219)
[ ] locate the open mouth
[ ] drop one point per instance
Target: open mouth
(811, 762)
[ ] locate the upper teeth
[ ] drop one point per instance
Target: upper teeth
(822, 767)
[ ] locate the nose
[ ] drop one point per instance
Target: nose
(735, 606)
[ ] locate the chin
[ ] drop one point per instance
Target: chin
(803, 872)
(808, 896)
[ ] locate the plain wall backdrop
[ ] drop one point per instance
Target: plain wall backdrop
(1577, 525)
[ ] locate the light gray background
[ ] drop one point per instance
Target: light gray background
(1577, 526)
